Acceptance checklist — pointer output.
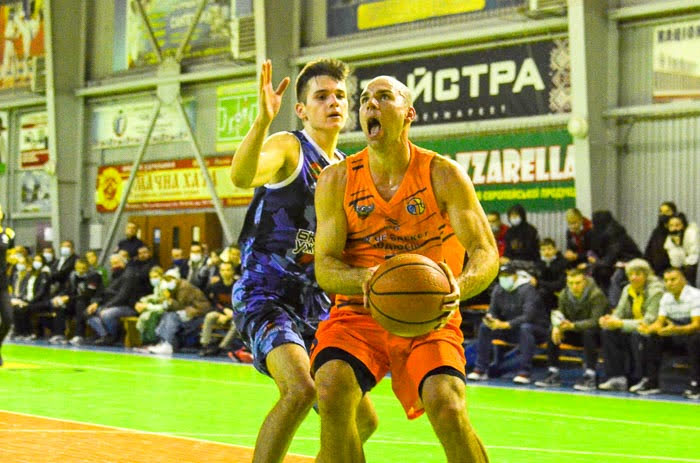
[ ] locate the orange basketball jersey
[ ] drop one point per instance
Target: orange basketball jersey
(411, 222)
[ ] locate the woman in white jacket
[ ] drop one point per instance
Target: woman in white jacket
(683, 246)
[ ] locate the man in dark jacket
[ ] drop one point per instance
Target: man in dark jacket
(655, 253)
(550, 275)
(131, 243)
(522, 239)
(516, 314)
(116, 301)
(611, 246)
(575, 322)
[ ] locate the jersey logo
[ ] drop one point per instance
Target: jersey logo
(304, 242)
(415, 206)
(363, 211)
(315, 170)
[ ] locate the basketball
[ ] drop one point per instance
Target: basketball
(405, 295)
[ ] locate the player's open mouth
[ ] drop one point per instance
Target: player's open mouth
(335, 116)
(373, 126)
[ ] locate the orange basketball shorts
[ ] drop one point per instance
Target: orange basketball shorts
(408, 360)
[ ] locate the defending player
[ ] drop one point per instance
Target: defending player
(7, 241)
(390, 198)
(277, 302)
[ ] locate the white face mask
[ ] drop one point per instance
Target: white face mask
(48, 257)
(495, 228)
(507, 282)
(37, 265)
(65, 252)
(547, 259)
(155, 282)
(195, 257)
(169, 285)
(515, 220)
(20, 267)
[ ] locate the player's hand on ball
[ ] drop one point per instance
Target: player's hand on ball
(450, 302)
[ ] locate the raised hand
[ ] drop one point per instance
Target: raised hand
(270, 99)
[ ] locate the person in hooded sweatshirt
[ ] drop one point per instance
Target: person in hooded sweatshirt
(654, 253)
(522, 239)
(611, 247)
(516, 314)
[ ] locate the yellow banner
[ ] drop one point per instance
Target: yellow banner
(168, 185)
(390, 12)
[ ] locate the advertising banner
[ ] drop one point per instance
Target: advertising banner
(170, 21)
(344, 17)
(33, 140)
(676, 65)
(35, 191)
(535, 169)
(516, 81)
(175, 184)
(22, 28)
(126, 124)
(236, 108)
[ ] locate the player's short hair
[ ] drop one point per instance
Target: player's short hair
(330, 67)
(574, 272)
(548, 242)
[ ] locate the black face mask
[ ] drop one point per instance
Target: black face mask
(676, 233)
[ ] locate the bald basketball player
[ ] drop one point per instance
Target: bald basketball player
(366, 211)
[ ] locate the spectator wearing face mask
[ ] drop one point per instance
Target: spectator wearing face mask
(522, 239)
(32, 297)
(72, 302)
(516, 314)
(179, 263)
(654, 253)
(50, 259)
(551, 273)
(151, 308)
(498, 229)
(64, 266)
(683, 245)
(195, 263)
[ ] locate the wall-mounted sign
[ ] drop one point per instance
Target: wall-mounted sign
(516, 81)
(175, 184)
(676, 65)
(535, 169)
(236, 108)
(22, 30)
(170, 21)
(126, 124)
(33, 140)
(346, 17)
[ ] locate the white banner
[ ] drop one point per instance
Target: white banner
(126, 124)
(677, 60)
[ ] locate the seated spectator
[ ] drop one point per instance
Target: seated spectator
(73, 300)
(131, 243)
(92, 260)
(151, 307)
(498, 229)
(219, 294)
(550, 275)
(678, 324)
(179, 262)
(185, 306)
(611, 247)
(19, 271)
(575, 322)
(578, 238)
(683, 245)
(522, 239)
(654, 253)
(32, 298)
(622, 343)
(64, 266)
(516, 314)
(209, 272)
(142, 264)
(116, 301)
(49, 258)
(194, 265)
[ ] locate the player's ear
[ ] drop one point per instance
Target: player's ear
(300, 109)
(411, 114)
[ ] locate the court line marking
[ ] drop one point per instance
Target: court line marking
(120, 430)
(375, 397)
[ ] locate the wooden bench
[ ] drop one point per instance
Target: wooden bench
(543, 347)
(132, 337)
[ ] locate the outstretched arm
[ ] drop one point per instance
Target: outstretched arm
(455, 194)
(258, 161)
(332, 274)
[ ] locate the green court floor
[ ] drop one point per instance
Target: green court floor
(226, 402)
